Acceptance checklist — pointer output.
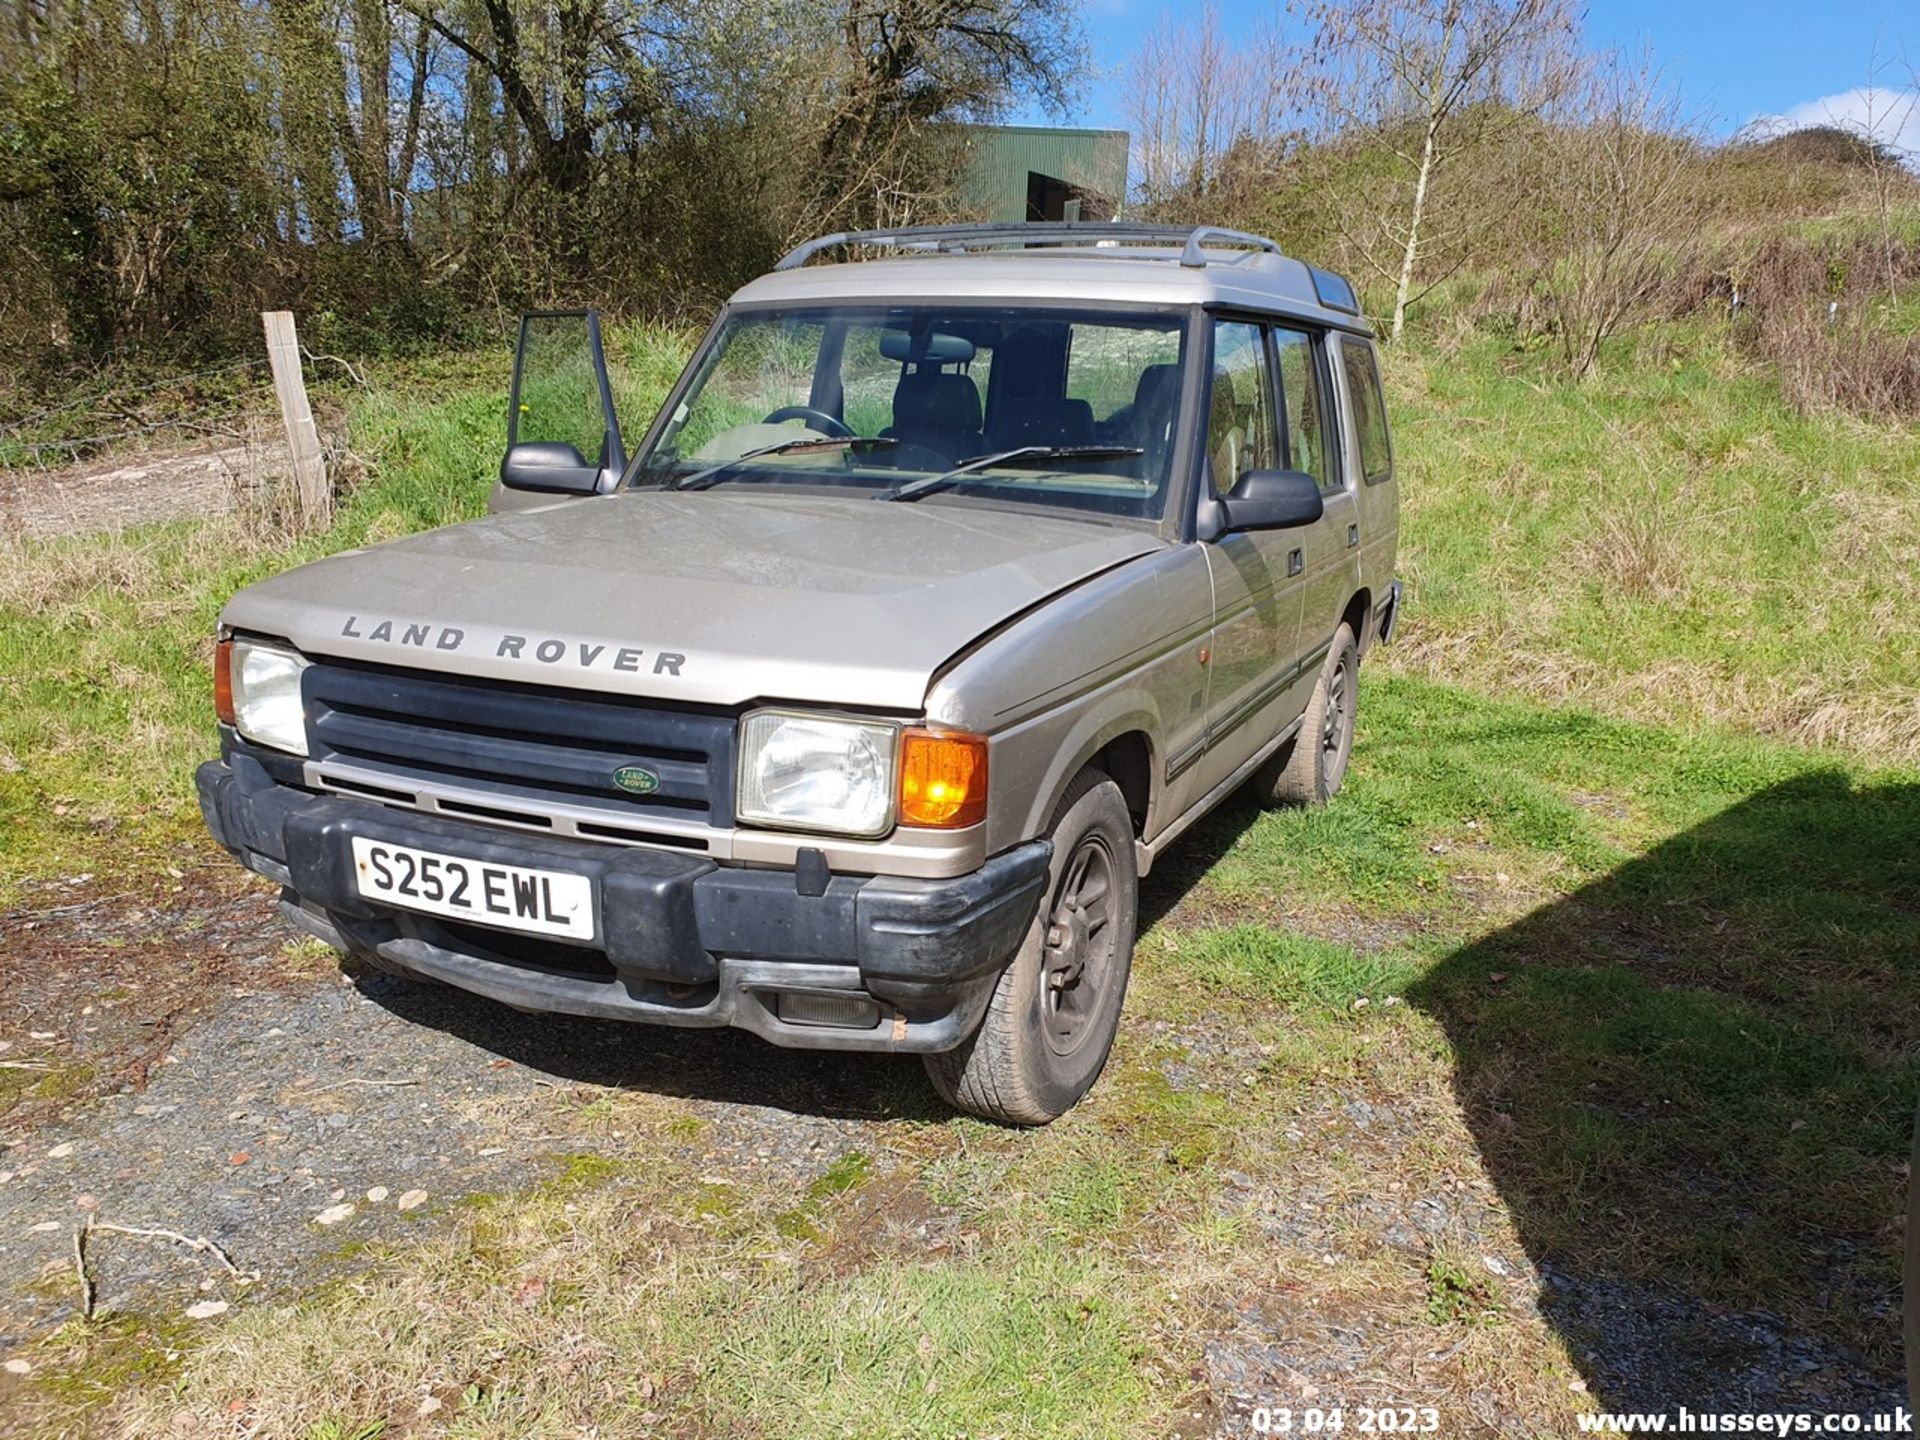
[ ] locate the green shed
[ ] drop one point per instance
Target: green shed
(1037, 172)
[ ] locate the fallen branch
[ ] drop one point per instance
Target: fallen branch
(80, 1233)
(68, 909)
(358, 1080)
(85, 1231)
(345, 365)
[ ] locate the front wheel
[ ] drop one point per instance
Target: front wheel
(1308, 769)
(1056, 1008)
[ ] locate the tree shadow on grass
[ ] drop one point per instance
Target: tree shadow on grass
(1692, 1082)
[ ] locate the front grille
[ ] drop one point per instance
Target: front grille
(521, 743)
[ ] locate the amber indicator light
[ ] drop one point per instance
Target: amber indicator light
(943, 779)
(223, 681)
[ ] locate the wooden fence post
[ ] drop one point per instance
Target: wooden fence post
(303, 440)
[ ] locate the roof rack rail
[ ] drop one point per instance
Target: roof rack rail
(955, 239)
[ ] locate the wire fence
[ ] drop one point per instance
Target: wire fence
(36, 442)
(206, 441)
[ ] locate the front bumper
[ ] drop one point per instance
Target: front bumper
(682, 940)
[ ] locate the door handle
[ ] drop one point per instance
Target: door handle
(1353, 536)
(1295, 564)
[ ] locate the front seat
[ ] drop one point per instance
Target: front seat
(938, 410)
(1149, 420)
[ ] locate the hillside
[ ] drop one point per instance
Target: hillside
(1670, 541)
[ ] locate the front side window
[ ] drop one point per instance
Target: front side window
(557, 398)
(876, 399)
(1369, 409)
(1240, 429)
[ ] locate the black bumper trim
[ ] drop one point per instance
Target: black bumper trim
(688, 941)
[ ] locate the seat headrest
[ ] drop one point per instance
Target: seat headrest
(1151, 391)
(934, 401)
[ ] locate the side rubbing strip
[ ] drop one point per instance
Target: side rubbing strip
(1248, 708)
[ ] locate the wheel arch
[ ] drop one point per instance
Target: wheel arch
(1117, 740)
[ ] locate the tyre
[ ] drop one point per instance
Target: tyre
(1056, 1008)
(1308, 769)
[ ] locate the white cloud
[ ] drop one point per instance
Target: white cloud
(1879, 112)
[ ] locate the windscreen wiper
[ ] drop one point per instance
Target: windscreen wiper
(801, 445)
(914, 489)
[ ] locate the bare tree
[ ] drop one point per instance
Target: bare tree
(1408, 72)
(1619, 155)
(1887, 114)
(1193, 93)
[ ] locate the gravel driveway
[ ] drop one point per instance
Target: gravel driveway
(294, 1117)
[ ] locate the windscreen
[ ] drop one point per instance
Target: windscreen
(1082, 405)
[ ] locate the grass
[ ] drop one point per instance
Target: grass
(1669, 541)
(1639, 986)
(555, 1314)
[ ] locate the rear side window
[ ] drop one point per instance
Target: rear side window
(1369, 410)
(1305, 440)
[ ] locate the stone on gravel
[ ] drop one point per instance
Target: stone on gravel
(333, 1214)
(412, 1200)
(206, 1309)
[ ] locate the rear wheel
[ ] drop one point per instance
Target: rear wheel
(1308, 769)
(1056, 1008)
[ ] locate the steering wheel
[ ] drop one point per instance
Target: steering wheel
(831, 426)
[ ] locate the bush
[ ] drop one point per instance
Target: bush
(1852, 363)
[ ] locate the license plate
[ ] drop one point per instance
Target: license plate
(510, 897)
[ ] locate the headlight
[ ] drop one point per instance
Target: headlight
(266, 695)
(813, 772)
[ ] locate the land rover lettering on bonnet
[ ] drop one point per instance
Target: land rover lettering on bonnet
(550, 650)
(944, 593)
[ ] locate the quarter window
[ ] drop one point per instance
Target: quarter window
(1240, 429)
(1369, 409)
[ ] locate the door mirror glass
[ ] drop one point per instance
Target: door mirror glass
(1273, 500)
(560, 421)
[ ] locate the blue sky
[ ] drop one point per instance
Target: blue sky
(1732, 61)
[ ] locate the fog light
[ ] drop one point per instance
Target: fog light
(847, 1012)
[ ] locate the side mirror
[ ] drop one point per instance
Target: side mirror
(550, 467)
(1273, 500)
